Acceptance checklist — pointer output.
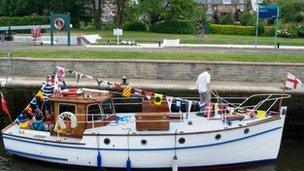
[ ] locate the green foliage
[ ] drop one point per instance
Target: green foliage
(247, 19)
(135, 26)
(26, 20)
(301, 30)
(174, 26)
(292, 10)
(288, 31)
(269, 31)
(225, 18)
(232, 29)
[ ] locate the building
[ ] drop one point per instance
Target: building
(216, 8)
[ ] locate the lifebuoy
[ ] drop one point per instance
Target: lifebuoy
(69, 92)
(71, 116)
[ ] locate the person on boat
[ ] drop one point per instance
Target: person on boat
(38, 123)
(203, 86)
(48, 123)
(23, 121)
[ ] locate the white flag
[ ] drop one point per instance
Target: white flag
(169, 100)
(292, 82)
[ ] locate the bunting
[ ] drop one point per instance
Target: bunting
(127, 91)
(148, 94)
(78, 77)
(169, 100)
(158, 98)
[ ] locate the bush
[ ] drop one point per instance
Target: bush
(247, 19)
(288, 31)
(26, 20)
(135, 26)
(174, 26)
(261, 28)
(232, 29)
(301, 30)
(225, 18)
(269, 31)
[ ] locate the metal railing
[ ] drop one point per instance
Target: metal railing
(8, 67)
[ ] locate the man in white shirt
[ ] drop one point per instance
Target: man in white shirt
(203, 86)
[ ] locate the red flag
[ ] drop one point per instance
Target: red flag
(4, 106)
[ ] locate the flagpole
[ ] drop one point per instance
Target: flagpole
(283, 91)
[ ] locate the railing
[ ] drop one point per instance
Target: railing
(8, 67)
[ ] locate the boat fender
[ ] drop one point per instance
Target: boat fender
(69, 115)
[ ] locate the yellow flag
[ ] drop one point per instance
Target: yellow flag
(127, 91)
(39, 94)
(158, 98)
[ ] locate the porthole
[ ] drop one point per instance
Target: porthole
(218, 136)
(246, 131)
(106, 141)
(181, 140)
(143, 142)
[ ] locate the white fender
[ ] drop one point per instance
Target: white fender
(70, 115)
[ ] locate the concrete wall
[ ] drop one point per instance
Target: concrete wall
(150, 69)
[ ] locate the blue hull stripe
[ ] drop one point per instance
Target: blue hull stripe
(6, 136)
(30, 155)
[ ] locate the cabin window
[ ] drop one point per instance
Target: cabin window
(65, 107)
(108, 107)
(94, 112)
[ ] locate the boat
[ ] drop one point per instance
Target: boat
(80, 126)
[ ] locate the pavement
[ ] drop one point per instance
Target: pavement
(154, 85)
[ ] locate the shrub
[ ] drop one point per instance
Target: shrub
(225, 18)
(232, 29)
(247, 19)
(174, 26)
(135, 26)
(261, 28)
(269, 31)
(26, 20)
(288, 31)
(301, 30)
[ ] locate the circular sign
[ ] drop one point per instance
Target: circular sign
(59, 23)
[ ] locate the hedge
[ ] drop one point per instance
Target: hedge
(174, 26)
(26, 20)
(232, 29)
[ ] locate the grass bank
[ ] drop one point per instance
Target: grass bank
(148, 37)
(156, 55)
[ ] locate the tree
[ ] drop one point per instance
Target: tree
(121, 5)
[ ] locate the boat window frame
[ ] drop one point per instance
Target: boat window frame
(113, 111)
(87, 111)
(65, 103)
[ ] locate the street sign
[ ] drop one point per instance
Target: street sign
(117, 32)
(268, 11)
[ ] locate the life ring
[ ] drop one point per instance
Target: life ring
(69, 92)
(62, 116)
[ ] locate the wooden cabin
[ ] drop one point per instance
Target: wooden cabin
(92, 109)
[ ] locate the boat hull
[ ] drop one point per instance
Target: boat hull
(199, 149)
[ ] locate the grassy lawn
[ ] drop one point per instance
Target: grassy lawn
(147, 37)
(156, 55)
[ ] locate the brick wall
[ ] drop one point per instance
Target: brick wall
(153, 69)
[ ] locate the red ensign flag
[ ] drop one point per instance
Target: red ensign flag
(4, 106)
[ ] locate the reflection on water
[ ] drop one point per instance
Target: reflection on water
(290, 159)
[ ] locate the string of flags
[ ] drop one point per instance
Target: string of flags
(127, 91)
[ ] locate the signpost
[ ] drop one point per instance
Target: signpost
(267, 12)
(60, 22)
(117, 32)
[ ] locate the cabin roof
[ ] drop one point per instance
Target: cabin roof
(85, 97)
